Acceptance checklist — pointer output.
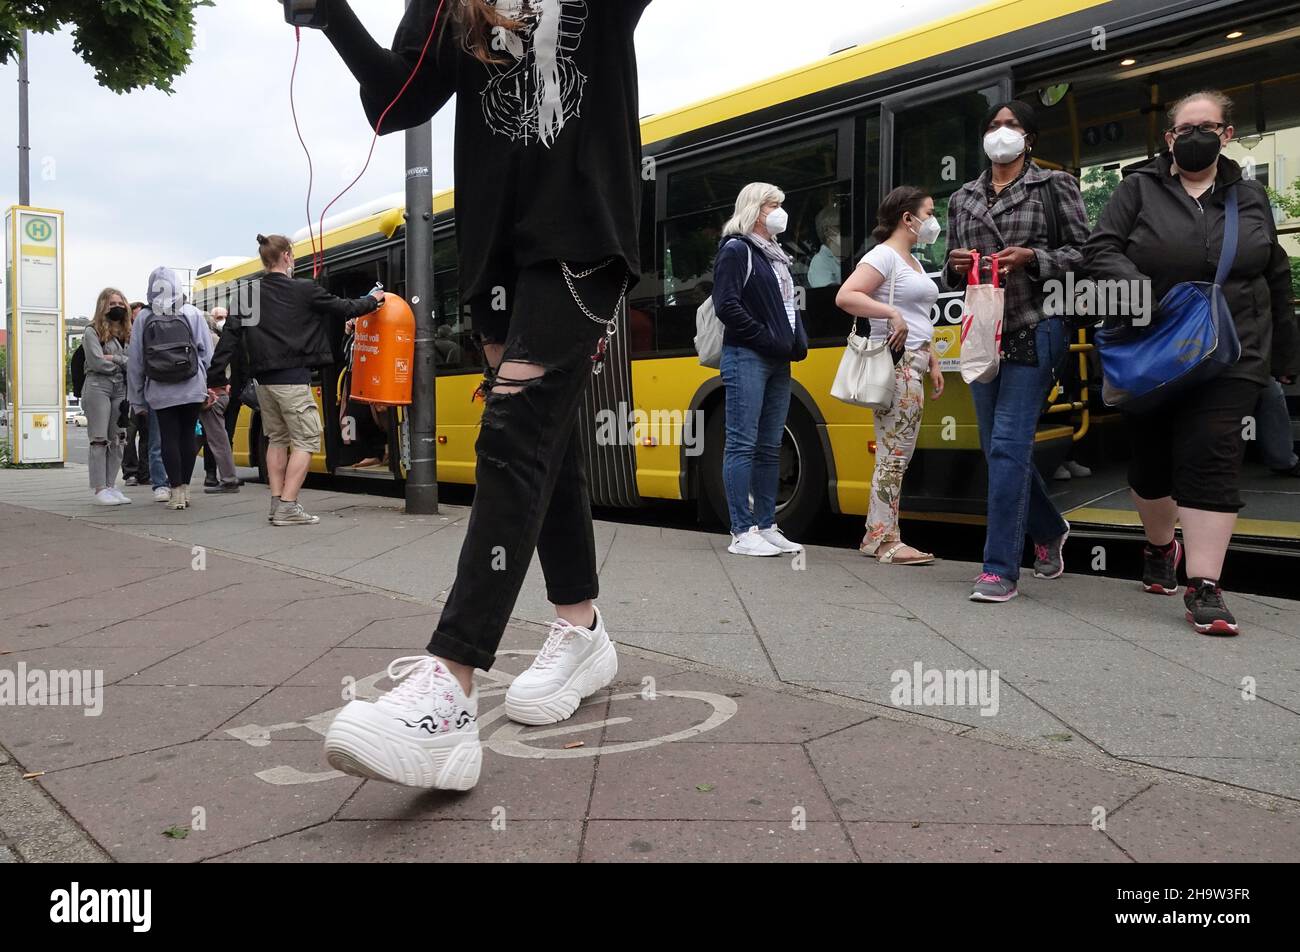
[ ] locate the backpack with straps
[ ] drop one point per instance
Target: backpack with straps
(169, 352)
(77, 371)
(709, 329)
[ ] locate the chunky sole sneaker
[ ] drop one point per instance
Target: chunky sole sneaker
(365, 741)
(1160, 573)
(1049, 559)
(221, 488)
(573, 664)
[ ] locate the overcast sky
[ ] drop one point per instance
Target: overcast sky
(148, 178)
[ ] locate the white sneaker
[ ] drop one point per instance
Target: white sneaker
(752, 543)
(775, 537)
(1077, 469)
(162, 494)
(422, 733)
(573, 664)
(122, 497)
(1061, 473)
(105, 497)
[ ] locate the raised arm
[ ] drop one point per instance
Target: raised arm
(382, 72)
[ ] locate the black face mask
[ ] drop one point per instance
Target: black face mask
(1197, 151)
(117, 313)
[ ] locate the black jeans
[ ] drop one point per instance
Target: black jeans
(179, 446)
(531, 491)
(135, 459)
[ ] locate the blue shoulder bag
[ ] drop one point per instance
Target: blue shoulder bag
(1192, 338)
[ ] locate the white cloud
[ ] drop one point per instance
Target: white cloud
(147, 179)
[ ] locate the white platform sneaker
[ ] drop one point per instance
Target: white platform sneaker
(573, 664)
(422, 733)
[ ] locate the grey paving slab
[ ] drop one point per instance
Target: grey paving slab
(509, 788)
(714, 841)
(739, 651)
(134, 719)
(885, 770)
(710, 781)
(1170, 824)
(115, 663)
(982, 843)
(448, 841)
(1279, 775)
(128, 803)
(221, 661)
(1132, 702)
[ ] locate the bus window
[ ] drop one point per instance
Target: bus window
(701, 199)
(938, 147)
(453, 334)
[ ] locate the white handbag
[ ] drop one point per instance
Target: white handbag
(866, 374)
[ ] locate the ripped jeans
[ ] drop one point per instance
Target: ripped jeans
(531, 483)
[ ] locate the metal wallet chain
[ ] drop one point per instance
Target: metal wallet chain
(611, 325)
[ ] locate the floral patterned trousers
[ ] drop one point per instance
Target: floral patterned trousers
(896, 434)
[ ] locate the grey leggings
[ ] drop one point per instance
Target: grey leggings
(215, 439)
(101, 398)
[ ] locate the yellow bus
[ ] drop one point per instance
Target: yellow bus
(836, 136)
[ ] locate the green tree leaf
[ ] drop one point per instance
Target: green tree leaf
(130, 44)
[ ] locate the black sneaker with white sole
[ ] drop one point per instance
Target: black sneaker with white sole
(1160, 568)
(1206, 609)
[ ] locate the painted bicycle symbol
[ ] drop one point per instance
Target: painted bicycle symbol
(502, 736)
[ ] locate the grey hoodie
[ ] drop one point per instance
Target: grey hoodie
(165, 297)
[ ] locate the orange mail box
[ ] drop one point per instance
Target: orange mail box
(383, 353)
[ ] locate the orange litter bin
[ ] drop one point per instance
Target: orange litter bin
(383, 353)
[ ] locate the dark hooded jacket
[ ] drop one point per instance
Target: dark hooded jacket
(1152, 229)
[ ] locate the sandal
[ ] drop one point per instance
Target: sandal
(890, 556)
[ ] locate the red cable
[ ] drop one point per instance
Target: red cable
(318, 257)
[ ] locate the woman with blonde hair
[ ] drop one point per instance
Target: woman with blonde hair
(753, 294)
(104, 343)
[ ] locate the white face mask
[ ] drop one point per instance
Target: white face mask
(928, 232)
(1004, 145)
(776, 222)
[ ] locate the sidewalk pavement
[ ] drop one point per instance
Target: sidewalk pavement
(751, 718)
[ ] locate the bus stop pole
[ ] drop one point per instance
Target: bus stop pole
(422, 473)
(24, 142)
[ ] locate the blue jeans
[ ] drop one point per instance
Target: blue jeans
(1273, 428)
(1008, 408)
(157, 472)
(758, 400)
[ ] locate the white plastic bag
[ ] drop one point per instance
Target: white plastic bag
(981, 327)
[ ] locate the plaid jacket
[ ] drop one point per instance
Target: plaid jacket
(1017, 218)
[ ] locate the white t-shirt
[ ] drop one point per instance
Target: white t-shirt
(914, 293)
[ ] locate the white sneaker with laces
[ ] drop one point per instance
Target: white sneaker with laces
(422, 733)
(775, 537)
(752, 543)
(122, 497)
(573, 664)
(105, 497)
(162, 494)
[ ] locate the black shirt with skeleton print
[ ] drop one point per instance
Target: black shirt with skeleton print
(548, 139)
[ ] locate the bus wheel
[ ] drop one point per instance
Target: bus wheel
(801, 479)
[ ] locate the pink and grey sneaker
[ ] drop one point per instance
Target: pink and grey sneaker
(422, 733)
(993, 588)
(1049, 559)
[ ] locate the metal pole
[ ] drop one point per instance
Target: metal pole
(422, 474)
(24, 143)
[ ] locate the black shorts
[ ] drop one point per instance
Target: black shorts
(1191, 447)
(544, 288)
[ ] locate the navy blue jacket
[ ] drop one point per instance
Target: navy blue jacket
(753, 313)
